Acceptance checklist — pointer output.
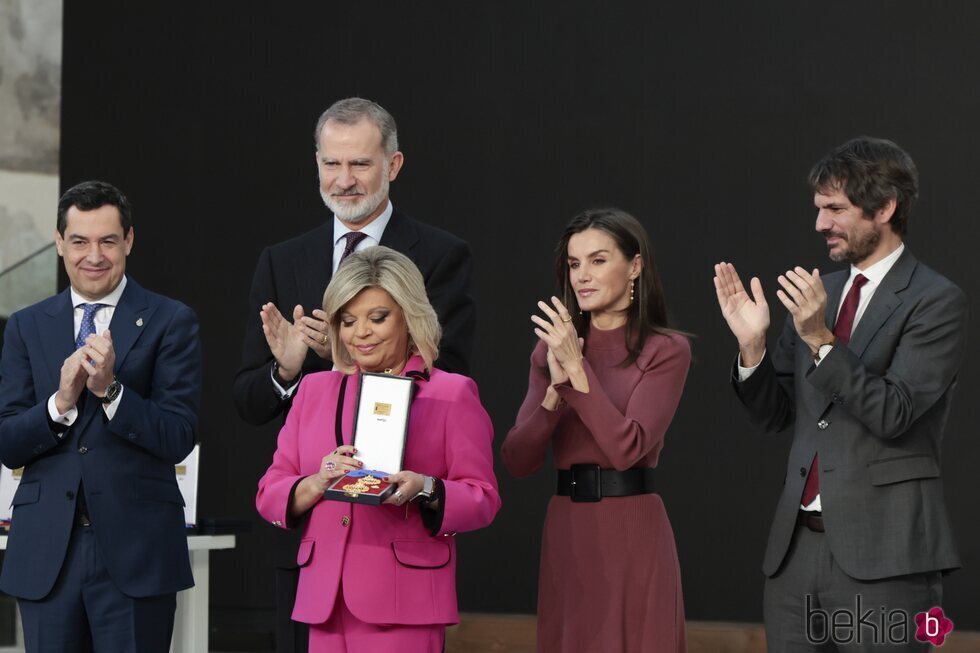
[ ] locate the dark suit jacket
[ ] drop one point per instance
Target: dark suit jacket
(297, 272)
(874, 410)
(125, 464)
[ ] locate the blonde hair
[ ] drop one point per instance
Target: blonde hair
(393, 272)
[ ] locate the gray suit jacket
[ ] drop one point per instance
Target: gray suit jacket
(874, 410)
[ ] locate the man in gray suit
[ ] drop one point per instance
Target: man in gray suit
(863, 371)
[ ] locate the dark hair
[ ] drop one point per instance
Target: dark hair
(870, 171)
(91, 195)
(647, 314)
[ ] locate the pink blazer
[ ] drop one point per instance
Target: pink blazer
(392, 569)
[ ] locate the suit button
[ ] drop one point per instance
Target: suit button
(823, 424)
(344, 520)
(69, 495)
(802, 471)
(83, 450)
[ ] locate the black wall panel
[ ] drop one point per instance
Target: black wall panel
(700, 118)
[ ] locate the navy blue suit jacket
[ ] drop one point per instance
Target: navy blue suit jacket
(126, 465)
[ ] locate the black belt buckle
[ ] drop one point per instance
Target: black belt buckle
(586, 483)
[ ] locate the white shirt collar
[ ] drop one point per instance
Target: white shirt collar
(374, 229)
(112, 299)
(877, 272)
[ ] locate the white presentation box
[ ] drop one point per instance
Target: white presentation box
(384, 402)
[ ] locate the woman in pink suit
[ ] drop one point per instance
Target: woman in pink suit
(606, 378)
(376, 578)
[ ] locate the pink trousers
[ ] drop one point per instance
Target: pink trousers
(345, 633)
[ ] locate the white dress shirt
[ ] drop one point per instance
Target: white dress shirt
(373, 231)
(102, 318)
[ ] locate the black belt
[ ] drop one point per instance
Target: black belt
(591, 483)
(812, 520)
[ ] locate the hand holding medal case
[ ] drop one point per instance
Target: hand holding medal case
(380, 427)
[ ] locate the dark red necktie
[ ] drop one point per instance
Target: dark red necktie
(353, 238)
(842, 331)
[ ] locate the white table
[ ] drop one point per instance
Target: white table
(191, 620)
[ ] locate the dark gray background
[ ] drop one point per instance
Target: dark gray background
(700, 118)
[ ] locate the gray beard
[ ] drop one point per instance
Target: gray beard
(360, 212)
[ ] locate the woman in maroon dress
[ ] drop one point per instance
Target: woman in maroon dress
(606, 378)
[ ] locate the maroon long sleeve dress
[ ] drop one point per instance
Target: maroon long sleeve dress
(610, 579)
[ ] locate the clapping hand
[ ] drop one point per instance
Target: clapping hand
(289, 341)
(747, 317)
(314, 330)
(564, 348)
(73, 378)
(804, 297)
(98, 359)
(559, 334)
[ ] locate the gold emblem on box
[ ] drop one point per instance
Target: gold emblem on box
(382, 409)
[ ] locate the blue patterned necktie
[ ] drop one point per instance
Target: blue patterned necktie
(87, 327)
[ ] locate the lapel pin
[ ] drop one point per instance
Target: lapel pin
(139, 322)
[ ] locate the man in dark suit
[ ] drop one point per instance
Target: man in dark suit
(357, 158)
(864, 372)
(99, 395)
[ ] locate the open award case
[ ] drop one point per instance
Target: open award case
(380, 426)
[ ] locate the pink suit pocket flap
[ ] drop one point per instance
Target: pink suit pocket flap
(422, 554)
(305, 553)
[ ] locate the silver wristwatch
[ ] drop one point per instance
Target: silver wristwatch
(428, 488)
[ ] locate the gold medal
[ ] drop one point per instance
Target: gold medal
(371, 481)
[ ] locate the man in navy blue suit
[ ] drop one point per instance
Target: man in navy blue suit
(99, 395)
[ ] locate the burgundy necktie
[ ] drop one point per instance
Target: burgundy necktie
(842, 331)
(353, 238)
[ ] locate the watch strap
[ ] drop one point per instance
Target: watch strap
(428, 488)
(824, 349)
(111, 392)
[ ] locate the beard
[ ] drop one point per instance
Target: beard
(859, 246)
(356, 211)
